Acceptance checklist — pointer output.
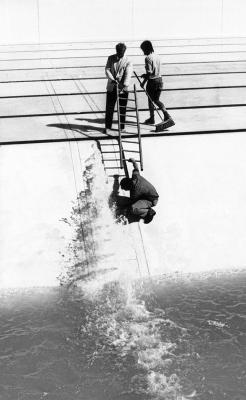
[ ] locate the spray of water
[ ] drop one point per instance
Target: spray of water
(101, 259)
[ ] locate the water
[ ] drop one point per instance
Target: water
(107, 333)
(164, 340)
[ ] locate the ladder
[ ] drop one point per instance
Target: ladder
(128, 143)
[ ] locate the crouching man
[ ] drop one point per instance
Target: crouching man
(143, 195)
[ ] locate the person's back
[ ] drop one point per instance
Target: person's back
(153, 66)
(142, 188)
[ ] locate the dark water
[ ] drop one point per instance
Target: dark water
(211, 355)
(167, 338)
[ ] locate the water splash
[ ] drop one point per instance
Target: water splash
(102, 261)
(100, 247)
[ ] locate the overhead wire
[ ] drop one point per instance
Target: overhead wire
(83, 252)
(114, 144)
(75, 181)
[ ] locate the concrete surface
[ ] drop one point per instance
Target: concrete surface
(200, 222)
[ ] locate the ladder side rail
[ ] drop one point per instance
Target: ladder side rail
(139, 131)
(125, 165)
(119, 130)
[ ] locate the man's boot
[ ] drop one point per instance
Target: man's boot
(150, 215)
(168, 121)
(150, 121)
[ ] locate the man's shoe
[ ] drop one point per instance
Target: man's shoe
(150, 121)
(167, 116)
(150, 215)
(168, 123)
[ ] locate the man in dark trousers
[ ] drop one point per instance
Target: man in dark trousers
(118, 71)
(154, 84)
(143, 195)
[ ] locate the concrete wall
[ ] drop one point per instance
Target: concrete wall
(201, 213)
(34, 21)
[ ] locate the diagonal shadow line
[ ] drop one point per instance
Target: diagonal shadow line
(85, 130)
(95, 120)
(82, 129)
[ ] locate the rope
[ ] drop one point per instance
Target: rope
(74, 175)
(93, 249)
(145, 255)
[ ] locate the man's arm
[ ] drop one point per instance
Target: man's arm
(108, 72)
(135, 167)
(148, 68)
(146, 78)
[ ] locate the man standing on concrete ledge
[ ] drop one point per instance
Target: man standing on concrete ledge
(143, 195)
(154, 84)
(118, 71)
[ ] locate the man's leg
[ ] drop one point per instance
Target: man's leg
(140, 208)
(151, 120)
(156, 90)
(160, 105)
(110, 104)
(123, 98)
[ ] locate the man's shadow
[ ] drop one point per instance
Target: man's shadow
(120, 204)
(81, 129)
(95, 120)
(85, 129)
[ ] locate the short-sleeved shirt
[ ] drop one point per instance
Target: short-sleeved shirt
(142, 189)
(153, 66)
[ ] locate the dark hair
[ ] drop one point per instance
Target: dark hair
(120, 49)
(126, 184)
(147, 47)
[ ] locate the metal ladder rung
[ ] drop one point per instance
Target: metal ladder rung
(134, 134)
(108, 144)
(129, 141)
(126, 159)
(131, 108)
(112, 159)
(112, 176)
(132, 100)
(127, 115)
(131, 151)
(113, 151)
(113, 167)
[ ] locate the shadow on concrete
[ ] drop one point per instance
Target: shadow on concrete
(82, 129)
(120, 204)
(95, 120)
(98, 121)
